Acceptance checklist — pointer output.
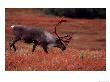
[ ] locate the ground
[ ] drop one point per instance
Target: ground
(85, 52)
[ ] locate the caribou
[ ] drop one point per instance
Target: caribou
(39, 37)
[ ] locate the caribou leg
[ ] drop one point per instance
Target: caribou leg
(34, 46)
(45, 49)
(44, 45)
(15, 39)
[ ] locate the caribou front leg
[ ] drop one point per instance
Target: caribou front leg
(44, 45)
(34, 46)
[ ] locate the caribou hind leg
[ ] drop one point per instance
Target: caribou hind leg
(13, 43)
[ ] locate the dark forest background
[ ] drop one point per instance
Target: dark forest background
(89, 13)
(81, 13)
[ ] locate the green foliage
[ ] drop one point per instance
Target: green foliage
(82, 54)
(93, 55)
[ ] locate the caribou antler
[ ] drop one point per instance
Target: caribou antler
(66, 41)
(61, 20)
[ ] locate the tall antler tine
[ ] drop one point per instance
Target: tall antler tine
(63, 20)
(64, 36)
(60, 21)
(57, 17)
(55, 28)
(68, 39)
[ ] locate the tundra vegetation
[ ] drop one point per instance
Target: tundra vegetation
(85, 52)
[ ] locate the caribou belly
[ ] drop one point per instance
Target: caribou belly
(51, 45)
